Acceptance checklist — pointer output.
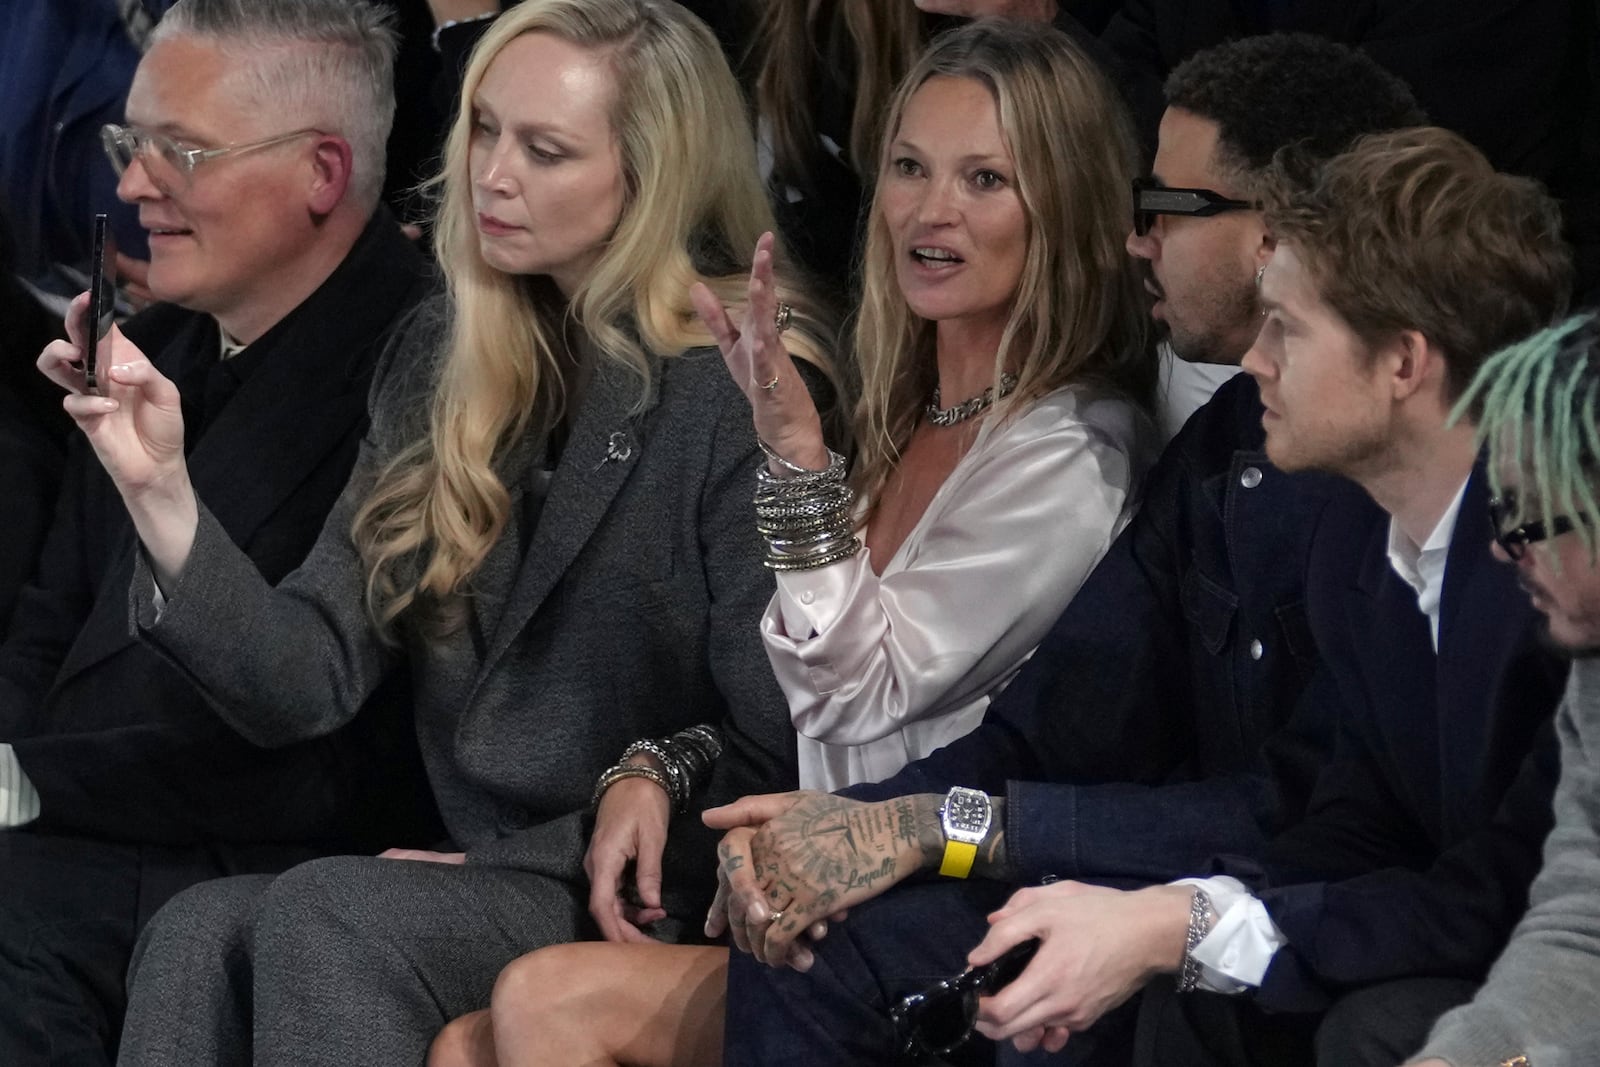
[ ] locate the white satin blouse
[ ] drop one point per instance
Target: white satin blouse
(881, 670)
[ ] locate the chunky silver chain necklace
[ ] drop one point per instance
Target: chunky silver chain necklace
(958, 413)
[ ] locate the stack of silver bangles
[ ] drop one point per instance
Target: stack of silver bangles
(808, 518)
(685, 758)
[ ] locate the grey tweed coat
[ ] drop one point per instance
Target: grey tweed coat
(632, 613)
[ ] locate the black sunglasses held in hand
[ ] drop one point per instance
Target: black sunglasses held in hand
(941, 1018)
(1151, 199)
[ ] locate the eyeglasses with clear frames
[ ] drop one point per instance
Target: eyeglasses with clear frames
(124, 144)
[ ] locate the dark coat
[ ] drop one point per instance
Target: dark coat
(1424, 832)
(117, 742)
(630, 613)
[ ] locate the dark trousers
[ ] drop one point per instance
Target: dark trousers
(70, 912)
(1379, 1026)
(838, 1012)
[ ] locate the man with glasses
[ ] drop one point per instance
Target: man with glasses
(253, 149)
(1539, 401)
(1181, 658)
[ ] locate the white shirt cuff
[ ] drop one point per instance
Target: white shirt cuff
(811, 601)
(1235, 955)
(19, 801)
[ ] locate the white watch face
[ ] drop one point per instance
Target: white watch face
(965, 815)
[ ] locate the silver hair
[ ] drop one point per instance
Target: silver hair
(327, 64)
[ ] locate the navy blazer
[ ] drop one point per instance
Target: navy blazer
(1424, 832)
(119, 745)
(1180, 658)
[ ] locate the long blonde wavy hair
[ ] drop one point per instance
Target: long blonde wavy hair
(693, 209)
(1078, 314)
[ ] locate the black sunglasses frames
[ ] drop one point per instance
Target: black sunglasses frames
(1514, 540)
(941, 1018)
(1151, 199)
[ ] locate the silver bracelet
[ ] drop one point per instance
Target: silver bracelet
(806, 563)
(677, 777)
(628, 770)
(834, 469)
(1199, 927)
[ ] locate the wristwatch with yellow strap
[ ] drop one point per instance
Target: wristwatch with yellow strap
(964, 816)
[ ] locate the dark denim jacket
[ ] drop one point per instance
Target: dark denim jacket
(1180, 659)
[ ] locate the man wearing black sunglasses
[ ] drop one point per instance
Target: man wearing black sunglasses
(1539, 401)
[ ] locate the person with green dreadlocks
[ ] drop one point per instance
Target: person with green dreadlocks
(1539, 415)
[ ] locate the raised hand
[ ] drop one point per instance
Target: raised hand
(136, 428)
(785, 417)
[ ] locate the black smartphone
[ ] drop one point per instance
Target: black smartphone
(98, 319)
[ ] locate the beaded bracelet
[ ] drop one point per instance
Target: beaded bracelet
(685, 758)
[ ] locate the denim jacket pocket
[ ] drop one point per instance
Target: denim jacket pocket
(1210, 608)
(1296, 625)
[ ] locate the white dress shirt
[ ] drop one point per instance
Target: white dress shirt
(19, 802)
(1235, 955)
(883, 669)
(1423, 568)
(1184, 387)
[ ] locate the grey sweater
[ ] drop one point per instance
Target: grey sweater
(1542, 999)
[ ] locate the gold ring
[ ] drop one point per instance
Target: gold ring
(780, 321)
(768, 387)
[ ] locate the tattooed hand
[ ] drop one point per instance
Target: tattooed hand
(826, 853)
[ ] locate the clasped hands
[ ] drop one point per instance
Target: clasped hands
(792, 862)
(808, 857)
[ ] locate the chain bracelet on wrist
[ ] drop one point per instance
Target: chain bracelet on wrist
(628, 770)
(1199, 927)
(678, 792)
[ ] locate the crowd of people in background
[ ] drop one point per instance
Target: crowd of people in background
(801, 532)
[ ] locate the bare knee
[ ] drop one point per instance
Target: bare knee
(535, 984)
(466, 1042)
(550, 997)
